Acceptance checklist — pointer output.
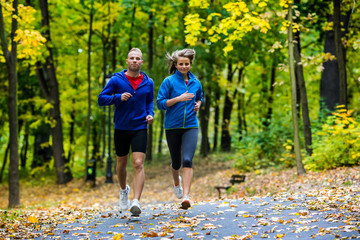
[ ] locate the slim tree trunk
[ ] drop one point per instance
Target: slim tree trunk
(270, 99)
(91, 15)
(132, 27)
(162, 119)
(162, 112)
(73, 115)
(4, 161)
(150, 64)
(113, 54)
(204, 123)
(103, 117)
(184, 11)
(225, 131)
(11, 61)
(24, 149)
(105, 47)
(241, 106)
(303, 95)
(216, 117)
(49, 87)
(299, 164)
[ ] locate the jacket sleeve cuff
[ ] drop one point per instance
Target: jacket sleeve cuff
(162, 105)
(118, 97)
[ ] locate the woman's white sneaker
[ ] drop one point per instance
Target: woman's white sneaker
(186, 203)
(178, 190)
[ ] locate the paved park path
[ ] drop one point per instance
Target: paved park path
(282, 217)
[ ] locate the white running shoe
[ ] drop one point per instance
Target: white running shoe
(135, 208)
(124, 198)
(185, 203)
(179, 190)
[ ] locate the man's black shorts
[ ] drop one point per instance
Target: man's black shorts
(124, 139)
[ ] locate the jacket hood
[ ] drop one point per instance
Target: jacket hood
(122, 74)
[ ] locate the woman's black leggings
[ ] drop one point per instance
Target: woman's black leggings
(182, 146)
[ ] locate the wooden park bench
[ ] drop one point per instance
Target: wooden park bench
(234, 179)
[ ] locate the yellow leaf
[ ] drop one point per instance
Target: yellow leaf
(118, 236)
(228, 48)
(262, 4)
(33, 219)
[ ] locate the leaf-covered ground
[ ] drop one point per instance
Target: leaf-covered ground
(50, 204)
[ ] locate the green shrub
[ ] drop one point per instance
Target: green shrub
(264, 149)
(337, 143)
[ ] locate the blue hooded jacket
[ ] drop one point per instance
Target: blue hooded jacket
(182, 114)
(129, 115)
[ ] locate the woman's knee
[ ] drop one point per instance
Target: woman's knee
(175, 166)
(187, 163)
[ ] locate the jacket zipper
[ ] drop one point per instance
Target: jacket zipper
(185, 106)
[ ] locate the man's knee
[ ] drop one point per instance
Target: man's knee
(138, 164)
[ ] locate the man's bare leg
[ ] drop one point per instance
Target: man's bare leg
(138, 159)
(121, 170)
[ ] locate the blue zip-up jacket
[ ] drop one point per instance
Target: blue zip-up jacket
(182, 114)
(131, 114)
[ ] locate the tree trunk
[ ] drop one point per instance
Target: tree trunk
(329, 84)
(4, 162)
(303, 95)
(340, 54)
(162, 112)
(330, 78)
(113, 54)
(184, 11)
(11, 61)
(41, 154)
(132, 27)
(162, 119)
(72, 117)
(49, 87)
(24, 149)
(270, 99)
(264, 92)
(103, 117)
(105, 45)
(239, 117)
(204, 123)
(216, 117)
(225, 131)
(91, 16)
(299, 164)
(240, 107)
(149, 146)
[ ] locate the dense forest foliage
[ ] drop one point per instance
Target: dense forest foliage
(281, 80)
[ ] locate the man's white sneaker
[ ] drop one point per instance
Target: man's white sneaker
(179, 190)
(135, 208)
(185, 203)
(124, 198)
